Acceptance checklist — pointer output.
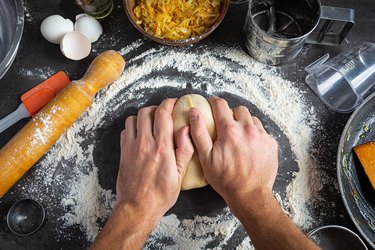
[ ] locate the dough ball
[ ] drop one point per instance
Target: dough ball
(194, 175)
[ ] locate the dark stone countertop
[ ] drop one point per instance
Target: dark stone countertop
(36, 53)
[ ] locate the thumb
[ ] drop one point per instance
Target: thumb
(201, 137)
(184, 151)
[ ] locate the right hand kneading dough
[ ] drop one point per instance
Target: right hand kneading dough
(194, 175)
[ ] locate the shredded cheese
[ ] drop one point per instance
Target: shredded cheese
(177, 19)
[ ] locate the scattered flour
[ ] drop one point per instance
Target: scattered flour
(86, 205)
(197, 233)
(224, 69)
(27, 13)
(245, 245)
(37, 73)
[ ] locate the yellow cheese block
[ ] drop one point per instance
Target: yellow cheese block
(366, 155)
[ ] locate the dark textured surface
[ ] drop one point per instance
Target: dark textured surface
(35, 52)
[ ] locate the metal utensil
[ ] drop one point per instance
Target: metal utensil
(275, 31)
(25, 217)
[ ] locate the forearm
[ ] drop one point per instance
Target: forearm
(125, 229)
(267, 224)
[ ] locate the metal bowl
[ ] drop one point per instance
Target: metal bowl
(25, 217)
(129, 6)
(333, 237)
(355, 188)
(11, 28)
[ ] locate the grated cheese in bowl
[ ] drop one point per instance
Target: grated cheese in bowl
(177, 19)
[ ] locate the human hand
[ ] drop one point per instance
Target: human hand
(151, 168)
(242, 162)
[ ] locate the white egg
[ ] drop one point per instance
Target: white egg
(75, 45)
(89, 26)
(54, 28)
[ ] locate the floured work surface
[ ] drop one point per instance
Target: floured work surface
(75, 180)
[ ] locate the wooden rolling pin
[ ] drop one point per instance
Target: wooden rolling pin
(40, 134)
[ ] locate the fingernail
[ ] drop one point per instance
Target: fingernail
(193, 115)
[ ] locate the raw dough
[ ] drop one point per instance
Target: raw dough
(194, 176)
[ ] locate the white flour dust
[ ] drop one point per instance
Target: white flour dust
(27, 12)
(194, 233)
(37, 73)
(224, 69)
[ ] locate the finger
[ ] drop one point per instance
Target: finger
(257, 122)
(130, 128)
(163, 123)
(184, 151)
(144, 121)
(242, 114)
(199, 132)
(223, 115)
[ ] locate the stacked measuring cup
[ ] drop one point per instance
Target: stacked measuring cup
(345, 80)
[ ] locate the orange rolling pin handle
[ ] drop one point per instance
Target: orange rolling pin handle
(41, 133)
(39, 96)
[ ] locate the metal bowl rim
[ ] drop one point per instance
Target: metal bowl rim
(18, 202)
(338, 166)
(337, 227)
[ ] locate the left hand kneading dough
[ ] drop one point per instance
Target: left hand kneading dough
(194, 176)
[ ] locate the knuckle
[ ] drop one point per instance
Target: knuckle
(231, 128)
(231, 132)
(186, 152)
(198, 132)
(161, 111)
(143, 146)
(249, 128)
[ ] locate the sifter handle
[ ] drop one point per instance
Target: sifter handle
(332, 17)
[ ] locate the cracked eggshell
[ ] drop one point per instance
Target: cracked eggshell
(89, 26)
(75, 45)
(54, 28)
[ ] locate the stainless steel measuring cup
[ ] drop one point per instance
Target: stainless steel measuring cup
(345, 80)
(276, 30)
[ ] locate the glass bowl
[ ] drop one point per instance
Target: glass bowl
(11, 28)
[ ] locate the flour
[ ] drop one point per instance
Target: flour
(27, 12)
(223, 69)
(37, 73)
(245, 245)
(86, 205)
(197, 233)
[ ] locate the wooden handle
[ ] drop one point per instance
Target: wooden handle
(39, 135)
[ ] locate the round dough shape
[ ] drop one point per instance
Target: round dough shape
(194, 175)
